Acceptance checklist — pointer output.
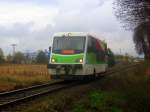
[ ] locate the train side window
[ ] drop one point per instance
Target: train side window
(89, 46)
(98, 47)
(95, 48)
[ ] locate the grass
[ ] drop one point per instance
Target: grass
(125, 92)
(19, 76)
(128, 91)
(99, 101)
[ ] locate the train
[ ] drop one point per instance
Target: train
(77, 55)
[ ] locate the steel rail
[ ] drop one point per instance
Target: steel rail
(27, 88)
(12, 97)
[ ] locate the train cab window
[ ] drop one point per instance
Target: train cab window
(76, 43)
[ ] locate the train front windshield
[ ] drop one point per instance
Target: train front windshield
(77, 44)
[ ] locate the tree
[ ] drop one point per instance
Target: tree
(19, 58)
(1, 56)
(142, 39)
(41, 58)
(9, 58)
(135, 14)
(132, 12)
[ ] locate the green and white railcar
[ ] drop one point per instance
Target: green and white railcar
(76, 55)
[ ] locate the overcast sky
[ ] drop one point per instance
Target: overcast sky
(31, 23)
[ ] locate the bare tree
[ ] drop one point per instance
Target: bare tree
(135, 15)
(132, 12)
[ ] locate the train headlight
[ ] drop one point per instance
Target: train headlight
(53, 60)
(81, 60)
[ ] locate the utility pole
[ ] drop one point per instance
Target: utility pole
(14, 46)
(120, 52)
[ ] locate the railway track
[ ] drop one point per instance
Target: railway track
(16, 96)
(115, 70)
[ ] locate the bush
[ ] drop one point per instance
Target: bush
(99, 101)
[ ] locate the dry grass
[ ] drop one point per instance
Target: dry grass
(127, 91)
(134, 86)
(18, 76)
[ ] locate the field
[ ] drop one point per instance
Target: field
(125, 91)
(15, 76)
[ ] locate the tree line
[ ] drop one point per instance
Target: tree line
(41, 57)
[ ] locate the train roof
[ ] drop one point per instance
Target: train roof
(59, 34)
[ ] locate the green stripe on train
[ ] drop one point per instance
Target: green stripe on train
(69, 59)
(74, 59)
